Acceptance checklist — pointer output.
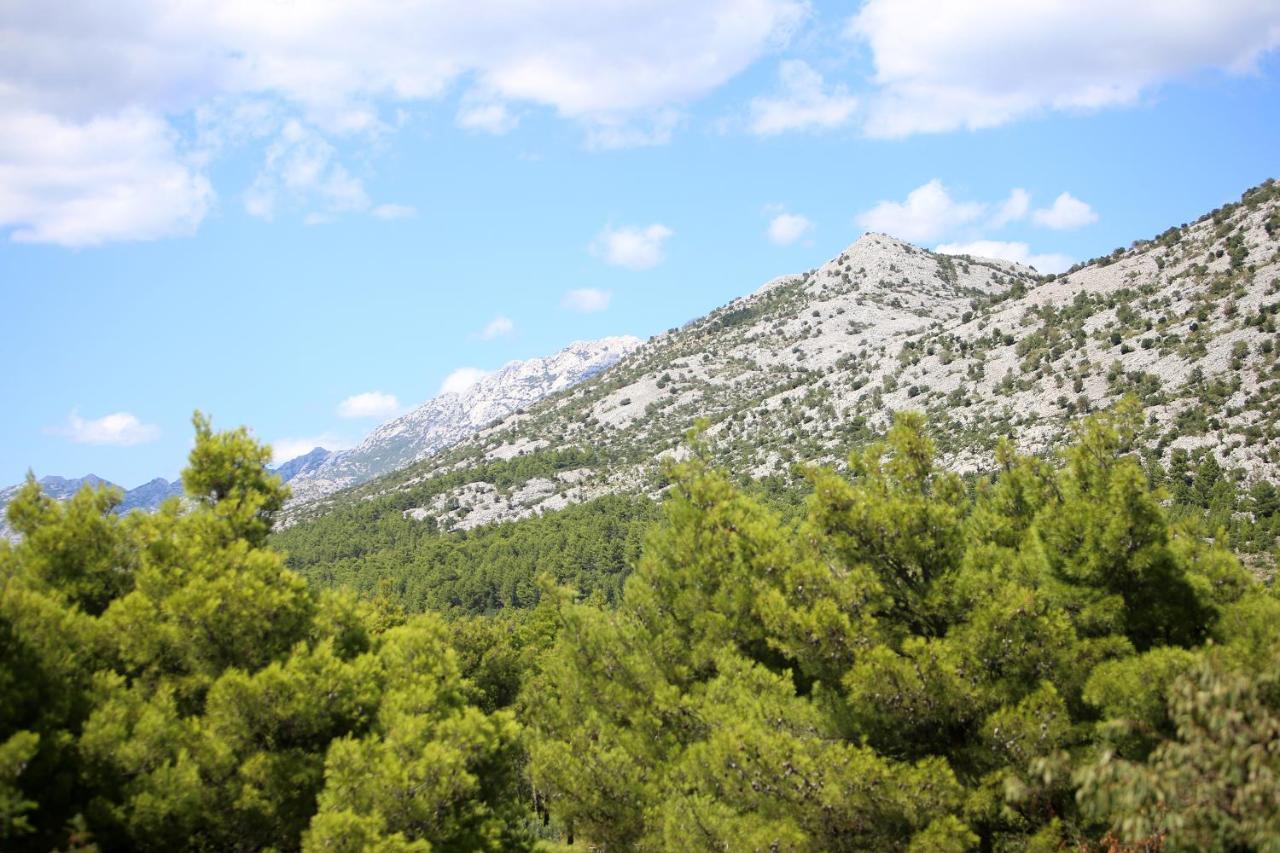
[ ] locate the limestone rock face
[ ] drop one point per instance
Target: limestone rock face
(452, 416)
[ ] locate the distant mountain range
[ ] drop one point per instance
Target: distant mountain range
(436, 424)
(149, 495)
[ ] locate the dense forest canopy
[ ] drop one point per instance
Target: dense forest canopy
(1048, 658)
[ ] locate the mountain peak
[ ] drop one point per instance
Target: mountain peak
(449, 417)
(813, 365)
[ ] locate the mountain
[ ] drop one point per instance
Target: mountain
(812, 365)
(302, 465)
(436, 424)
(448, 418)
(148, 496)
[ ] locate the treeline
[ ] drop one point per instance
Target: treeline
(592, 546)
(1043, 660)
(588, 546)
(1202, 493)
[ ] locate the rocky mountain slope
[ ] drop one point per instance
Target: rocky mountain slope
(449, 417)
(812, 365)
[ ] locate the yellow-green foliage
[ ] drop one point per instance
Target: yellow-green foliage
(166, 684)
(912, 666)
(1040, 660)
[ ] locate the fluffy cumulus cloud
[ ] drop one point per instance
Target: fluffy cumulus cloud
(120, 429)
(87, 182)
(1008, 251)
(586, 300)
(637, 248)
(981, 63)
(803, 102)
(928, 212)
(462, 379)
(1065, 213)
(90, 98)
(786, 228)
(497, 328)
(370, 404)
(1012, 209)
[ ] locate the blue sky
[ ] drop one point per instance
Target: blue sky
(305, 217)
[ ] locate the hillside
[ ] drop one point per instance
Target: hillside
(452, 416)
(811, 365)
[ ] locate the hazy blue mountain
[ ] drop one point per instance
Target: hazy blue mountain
(149, 495)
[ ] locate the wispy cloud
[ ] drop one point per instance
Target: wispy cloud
(803, 102)
(497, 327)
(302, 169)
(586, 300)
(493, 117)
(394, 211)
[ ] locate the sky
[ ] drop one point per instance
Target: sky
(309, 217)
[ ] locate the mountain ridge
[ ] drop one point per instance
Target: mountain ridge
(452, 415)
(147, 496)
(810, 366)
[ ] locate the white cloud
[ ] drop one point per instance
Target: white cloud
(1013, 209)
(1017, 252)
(394, 211)
(928, 212)
(108, 91)
(632, 247)
(284, 449)
(302, 169)
(370, 404)
(121, 429)
(803, 103)
(497, 327)
(462, 379)
(606, 131)
(492, 117)
(786, 228)
(586, 300)
(981, 63)
(1066, 212)
(84, 183)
